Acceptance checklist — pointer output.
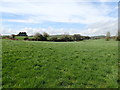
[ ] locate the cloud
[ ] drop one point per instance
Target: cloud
(51, 7)
(4, 31)
(50, 30)
(69, 12)
(96, 17)
(59, 1)
(101, 28)
(19, 20)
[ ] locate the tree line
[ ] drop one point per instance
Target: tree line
(76, 37)
(62, 38)
(65, 37)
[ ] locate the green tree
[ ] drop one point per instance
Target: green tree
(65, 37)
(76, 37)
(45, 34)
(53, 38)
(12, 36)
(38, 36)
(108, 36)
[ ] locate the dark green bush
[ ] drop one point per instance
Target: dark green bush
(77, 37)
(53, 38)
(39, 37)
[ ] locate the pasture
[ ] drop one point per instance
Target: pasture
(36, 64)
(22, 37)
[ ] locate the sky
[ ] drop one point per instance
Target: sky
(85, 17)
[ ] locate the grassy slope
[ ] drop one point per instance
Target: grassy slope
(84, 64)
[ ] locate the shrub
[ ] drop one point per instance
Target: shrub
(117, 38)
(87, 37)
(107, 39)
(26, 38)
(53, 38)
(77, 37)
(70, 38)
(4, 37)
(65, 38)
(44, 39)
(12, 36)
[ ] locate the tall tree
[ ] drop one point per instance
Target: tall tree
(108, 36)
(38, 36)
(45, 34)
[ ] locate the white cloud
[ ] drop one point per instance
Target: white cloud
(75, 12)
(68, 11)
(19, 20)
(101, 28)
(4, 31)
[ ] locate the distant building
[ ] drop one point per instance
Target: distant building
(22, 34)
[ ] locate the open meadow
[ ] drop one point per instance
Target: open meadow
(40, 64)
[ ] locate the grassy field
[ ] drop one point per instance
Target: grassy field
(84, 64)
(22, 37)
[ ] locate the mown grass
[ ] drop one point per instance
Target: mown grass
(84, 64)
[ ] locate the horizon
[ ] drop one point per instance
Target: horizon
(58, 34)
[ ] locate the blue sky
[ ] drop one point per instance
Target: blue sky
(73, 16)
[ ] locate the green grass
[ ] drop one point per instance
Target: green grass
(22, 37)
(35, 64)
